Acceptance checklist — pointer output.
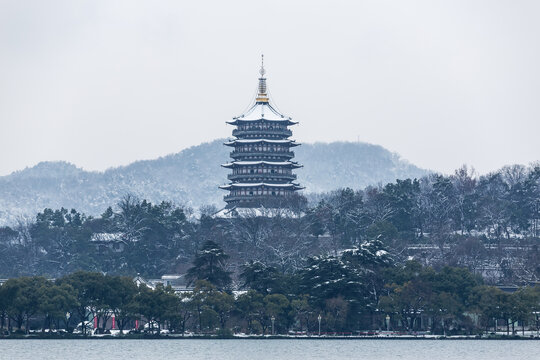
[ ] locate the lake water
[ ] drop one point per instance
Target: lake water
(270, 349)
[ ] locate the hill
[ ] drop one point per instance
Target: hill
(189, 177)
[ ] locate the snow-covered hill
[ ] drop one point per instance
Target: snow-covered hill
(190, 177)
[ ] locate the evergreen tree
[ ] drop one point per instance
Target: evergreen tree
(259, 277)
(209, 265)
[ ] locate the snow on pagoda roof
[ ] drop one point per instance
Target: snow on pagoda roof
(254, 141)
(247, 163)
(241, 185)
(263, 111)
(250, 212)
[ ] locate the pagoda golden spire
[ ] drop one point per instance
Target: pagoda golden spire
(262, 96)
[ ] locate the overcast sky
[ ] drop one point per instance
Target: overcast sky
(105, 83)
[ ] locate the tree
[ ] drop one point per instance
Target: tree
(89, 290)
(156, 305)
(464, 197)
(250, 307)
(525, 303)
(223, 304)
(326, 277)
(444, 308)
(407, 301)
(66, 240)
(259, 277)
(402, 196)
(183, 310)
(122, 300)
(56, 300)
(203, 289)
(209, 265)
(276, 306)
(7, 298)
(491, 303)
(303, 311)
(24, 300)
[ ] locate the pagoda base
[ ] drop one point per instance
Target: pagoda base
(261, 211)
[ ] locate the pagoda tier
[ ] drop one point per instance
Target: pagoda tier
(262, 170)
(262, 111)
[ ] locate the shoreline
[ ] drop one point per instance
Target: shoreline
(267, 337)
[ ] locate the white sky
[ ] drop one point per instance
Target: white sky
(104, 83)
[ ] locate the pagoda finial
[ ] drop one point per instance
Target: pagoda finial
(262, 97)
(262, 71)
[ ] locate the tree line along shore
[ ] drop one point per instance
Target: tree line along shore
(360, 291)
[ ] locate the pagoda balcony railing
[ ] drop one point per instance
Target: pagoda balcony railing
(261, 177)
(251, 198)
(261, 132)
(261, 154)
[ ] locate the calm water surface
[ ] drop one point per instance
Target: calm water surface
(269, 349)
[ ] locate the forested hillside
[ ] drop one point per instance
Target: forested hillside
(190, 177)
(488, 224)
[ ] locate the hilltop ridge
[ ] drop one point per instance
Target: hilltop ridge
(189, 177)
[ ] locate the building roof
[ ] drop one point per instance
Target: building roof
(272, 163)
(242, 185)
(239, 212)
(262, 111)
(107, 237)
(255, 141)
(177, 282)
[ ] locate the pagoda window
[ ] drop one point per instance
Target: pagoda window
(273, 193)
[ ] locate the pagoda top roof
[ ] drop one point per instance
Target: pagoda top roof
(247, 163)
(262, 111)
(254, 141)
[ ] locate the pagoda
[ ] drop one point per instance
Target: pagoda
(262, 166)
